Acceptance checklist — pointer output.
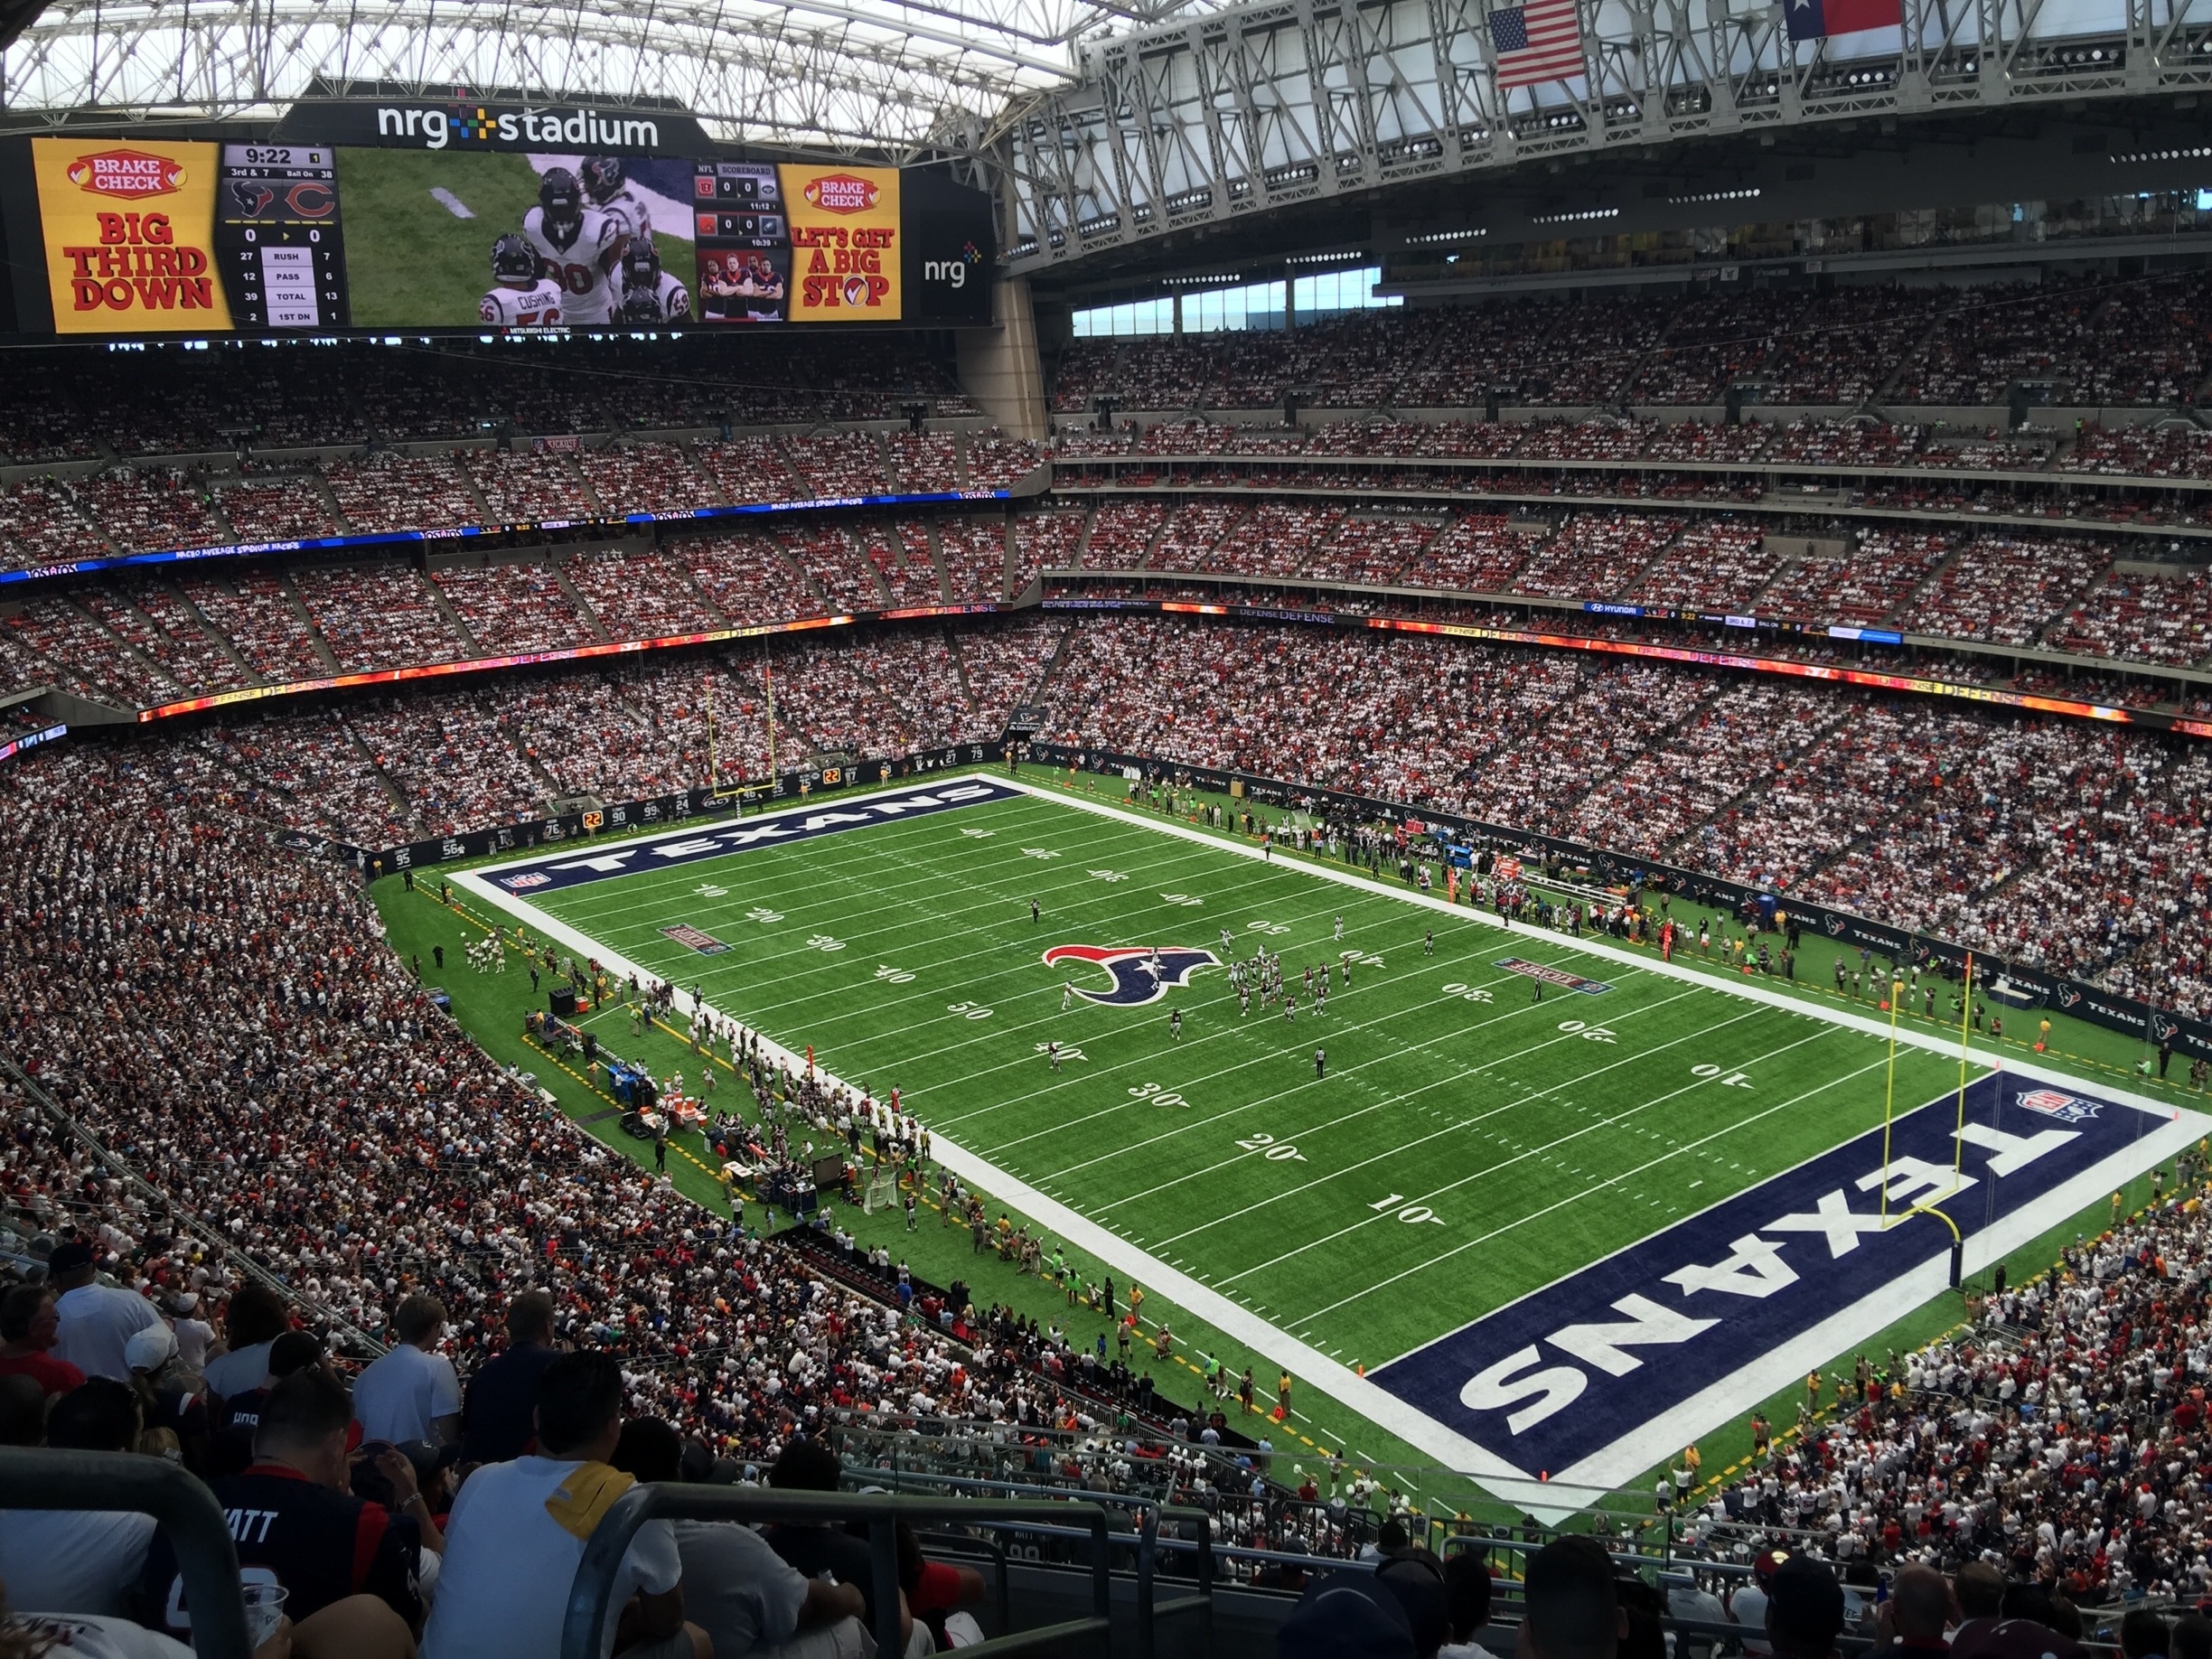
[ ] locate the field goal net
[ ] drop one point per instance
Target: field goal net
(881, 1192)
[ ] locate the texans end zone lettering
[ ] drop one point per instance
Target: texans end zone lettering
(559, 870)
(1599, 1376)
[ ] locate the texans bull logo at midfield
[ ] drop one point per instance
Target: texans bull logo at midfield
(1137, 980)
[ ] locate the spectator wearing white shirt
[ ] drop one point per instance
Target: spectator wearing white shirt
(194, 1335)
(97, 1320)
(749, 1599)
(79, 1561)
(411, 1394)
(518, 1530)
(252, 1322)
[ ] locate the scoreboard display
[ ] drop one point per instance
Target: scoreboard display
(279, 240)
(457, 228)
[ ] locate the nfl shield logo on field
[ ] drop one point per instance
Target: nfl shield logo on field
(2066, 1108)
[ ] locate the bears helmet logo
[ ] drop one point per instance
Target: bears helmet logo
(1135, 980)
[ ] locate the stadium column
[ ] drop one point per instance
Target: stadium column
(999, 366)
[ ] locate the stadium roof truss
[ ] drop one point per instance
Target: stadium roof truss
(883, 75)
(1275, 102)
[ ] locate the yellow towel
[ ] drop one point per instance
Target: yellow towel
(582, 1501)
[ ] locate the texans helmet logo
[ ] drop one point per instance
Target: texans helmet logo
(1137, 980)
(252, 196)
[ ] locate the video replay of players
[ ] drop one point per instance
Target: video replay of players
(177, 237)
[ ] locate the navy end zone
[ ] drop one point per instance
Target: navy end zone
(1598, 1377)
(573, 867)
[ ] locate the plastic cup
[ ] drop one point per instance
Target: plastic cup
(264, 1611)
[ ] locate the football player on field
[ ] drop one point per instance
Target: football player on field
(578, 246)
(518, 297)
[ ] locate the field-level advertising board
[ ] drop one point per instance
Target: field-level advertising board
(139, 236)
(1681, 1227)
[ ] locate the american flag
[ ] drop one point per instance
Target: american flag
(1538, 42)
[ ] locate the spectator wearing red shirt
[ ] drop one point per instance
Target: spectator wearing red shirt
(28, 1323)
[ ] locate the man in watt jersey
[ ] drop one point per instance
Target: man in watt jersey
(578, 245)
(518, 297)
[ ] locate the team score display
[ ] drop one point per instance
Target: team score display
(1275, 1151)
(968, 1010)
(1468, 993)
(1412, 1215)
(1726, 1079)
(277, 240)
(1152, 1094)
(1587, 1033)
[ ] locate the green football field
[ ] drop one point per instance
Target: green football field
(1468, 1143)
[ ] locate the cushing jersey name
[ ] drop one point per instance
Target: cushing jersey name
(573, 869)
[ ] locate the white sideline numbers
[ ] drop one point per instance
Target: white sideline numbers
(1589, 1033)
(968, 1010)
(1730, 1080)
(1468, 993)
(1410, 1213)
(1274, 1150)
(1153, 1094)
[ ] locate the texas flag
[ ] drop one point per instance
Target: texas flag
(1816, 20)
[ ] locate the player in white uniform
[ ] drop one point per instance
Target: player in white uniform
(578, 245)
(518, 297)
(650, 295)
(608, 186)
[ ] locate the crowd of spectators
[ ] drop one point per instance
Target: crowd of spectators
(2093, 342)
(152, 638)
(77, 404)
(2055, 843)
(381, 771)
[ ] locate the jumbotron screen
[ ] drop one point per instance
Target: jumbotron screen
(150, 237)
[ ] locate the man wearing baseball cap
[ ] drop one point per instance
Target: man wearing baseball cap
(97, 1320)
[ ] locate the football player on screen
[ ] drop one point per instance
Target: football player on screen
(608, 185)
(519, 297)
(578, 245)
(650, 295)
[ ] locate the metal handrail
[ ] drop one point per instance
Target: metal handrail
(593, 1589)
(38, 1478)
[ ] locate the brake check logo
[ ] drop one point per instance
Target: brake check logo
(840, 192)
(130, 174)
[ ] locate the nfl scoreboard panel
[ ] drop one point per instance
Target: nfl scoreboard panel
(134, 236)
(277, 238)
